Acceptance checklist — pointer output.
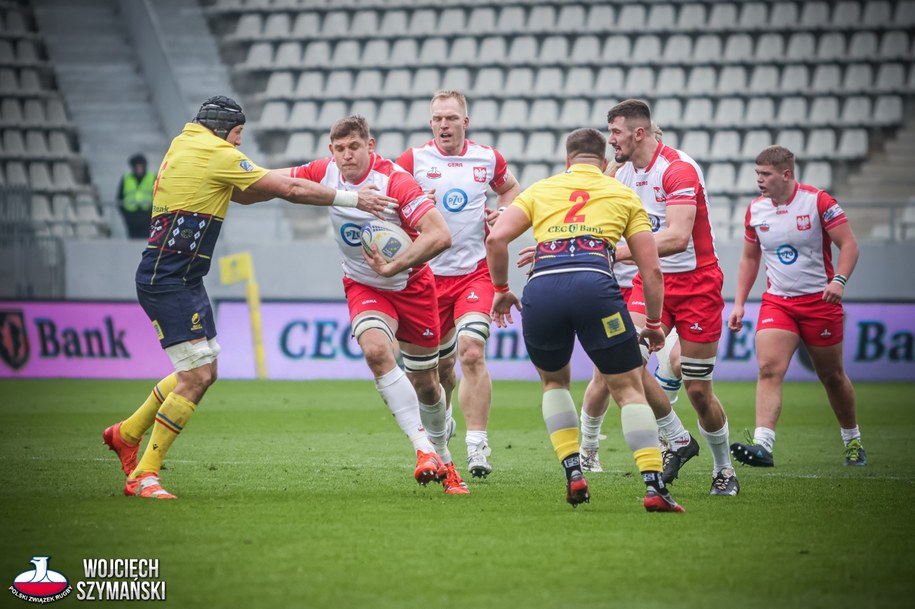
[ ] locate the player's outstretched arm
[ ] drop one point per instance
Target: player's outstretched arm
(305, 192)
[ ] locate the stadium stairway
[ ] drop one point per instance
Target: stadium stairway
(886, 175)
(105, 91)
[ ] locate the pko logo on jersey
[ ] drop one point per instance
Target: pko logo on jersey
(246, 165)
(786, 254)
(41, 584)
(455, 199)
(350, 232)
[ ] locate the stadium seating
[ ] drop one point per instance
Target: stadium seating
(36, 144)
(725, 79)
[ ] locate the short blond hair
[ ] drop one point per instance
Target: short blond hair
(450, 93)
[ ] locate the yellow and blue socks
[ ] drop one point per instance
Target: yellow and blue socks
(641, 433)
(133, 427)
(170, 421)
(561, 420)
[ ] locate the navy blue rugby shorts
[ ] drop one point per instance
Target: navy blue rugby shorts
(555, 308)
(178, 313)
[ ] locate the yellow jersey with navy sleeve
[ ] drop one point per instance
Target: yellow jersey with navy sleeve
(578, 216)
(190, 200)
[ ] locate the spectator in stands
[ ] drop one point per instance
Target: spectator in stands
(135, 197)
(577, 217)
(201, 172)
(792, 227)
(393, 302)
(461, 172)
(672, 189)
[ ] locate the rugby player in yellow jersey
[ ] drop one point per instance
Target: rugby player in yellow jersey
(578, 216)
(202, 170)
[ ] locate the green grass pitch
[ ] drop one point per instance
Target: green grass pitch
(300, 494)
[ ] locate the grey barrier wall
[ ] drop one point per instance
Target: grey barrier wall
(310, 270)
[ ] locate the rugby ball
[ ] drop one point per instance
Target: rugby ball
(390, 238)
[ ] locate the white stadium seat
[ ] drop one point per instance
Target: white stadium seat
(725, 146)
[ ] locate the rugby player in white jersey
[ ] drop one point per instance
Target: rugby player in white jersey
(792, 227)
(461, 173)
(392, 303)
(672, 189)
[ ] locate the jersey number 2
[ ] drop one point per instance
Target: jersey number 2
(579, 198)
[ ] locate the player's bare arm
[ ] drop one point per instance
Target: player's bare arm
(844, 239)
(434, 238)
(305, 192)
(644, 253)
(747, 270)
(510, 226)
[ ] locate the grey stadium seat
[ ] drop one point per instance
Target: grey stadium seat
(821, 143)
(738, 47)
(671, 81)
(783, 16)
(753, 16)
(274, 116)
(692, 17)
(760, 111)
(609, 81)
(877, 13)
(523, 50)
(513, 113)
(770, 46)
(519, 80)
(367, 108)
(890, 78)
(707, 48)
(814, 15)
(858, 78)
(753, 143)
(489, 81)
(553, 49)
(725, 146)
(391, 114)
(304, 114)
(601, 17)
(697, 144)
(396, 84)
(311, 84)
(824, 111)
(763, 80)
(846, 14)
(853, 144)
(632, 17)
(723, 16)
(827, 78)
(549, 81)
(639, 81)
(662, 17)
(792, 111)
(697, 113)
(730, 112)
(702, 81)
(575, 112)
(426, 81)
(793, 140)
(667, 112)
(434, 51)
(732, 80)
(617, 49)
(863, 45)
(579, 81)
(795, 79)
(376, 53)
(279, 84)
(464, 51)
(677, 48)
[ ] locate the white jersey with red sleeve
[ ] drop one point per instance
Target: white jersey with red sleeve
(793, 239)
(461, 183)
(347, 221)
(673, 178)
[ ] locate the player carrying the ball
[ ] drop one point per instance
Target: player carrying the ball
(392, 302)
